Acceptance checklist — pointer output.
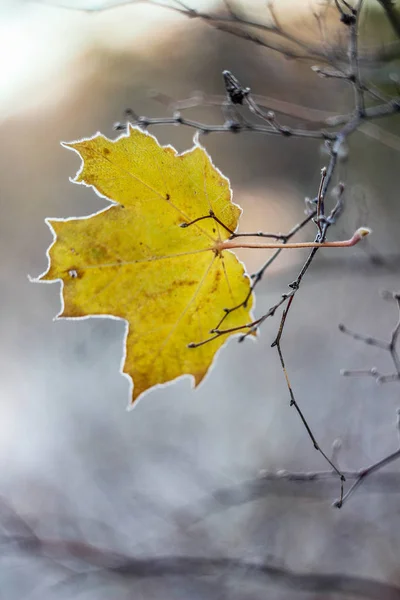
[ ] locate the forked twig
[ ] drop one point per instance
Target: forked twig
(390, 346)
(364, 473)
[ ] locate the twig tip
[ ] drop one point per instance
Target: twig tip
(363, 231)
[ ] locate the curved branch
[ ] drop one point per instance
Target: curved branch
(150, 567)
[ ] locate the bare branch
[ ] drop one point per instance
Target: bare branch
(392, 13)
(390, 346)
(109, 563)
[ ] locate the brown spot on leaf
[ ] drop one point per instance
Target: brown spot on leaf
(167, 197)
(217, 278)
(185, 282)
(106, 151)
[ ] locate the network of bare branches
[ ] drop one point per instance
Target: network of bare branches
(232, 18)
(77, 560)
(243, 113)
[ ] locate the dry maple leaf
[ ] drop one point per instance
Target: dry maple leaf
(135, 261)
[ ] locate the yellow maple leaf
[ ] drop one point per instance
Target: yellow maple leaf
(135, 261)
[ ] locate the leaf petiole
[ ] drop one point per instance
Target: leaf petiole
(232, 244)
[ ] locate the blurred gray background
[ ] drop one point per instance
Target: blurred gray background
(179, 478)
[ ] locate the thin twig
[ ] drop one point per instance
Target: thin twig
(390, 346)
(355, 76)
(228, 126)
(294, 403)
(258, 275)
(365, 473)
(240, 27)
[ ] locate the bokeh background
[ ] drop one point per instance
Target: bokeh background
(181, 476)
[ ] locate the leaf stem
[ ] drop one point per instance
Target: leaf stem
(231, 244)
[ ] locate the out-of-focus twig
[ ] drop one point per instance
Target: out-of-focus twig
(393, 14)
(100, 562)
(390, 346)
